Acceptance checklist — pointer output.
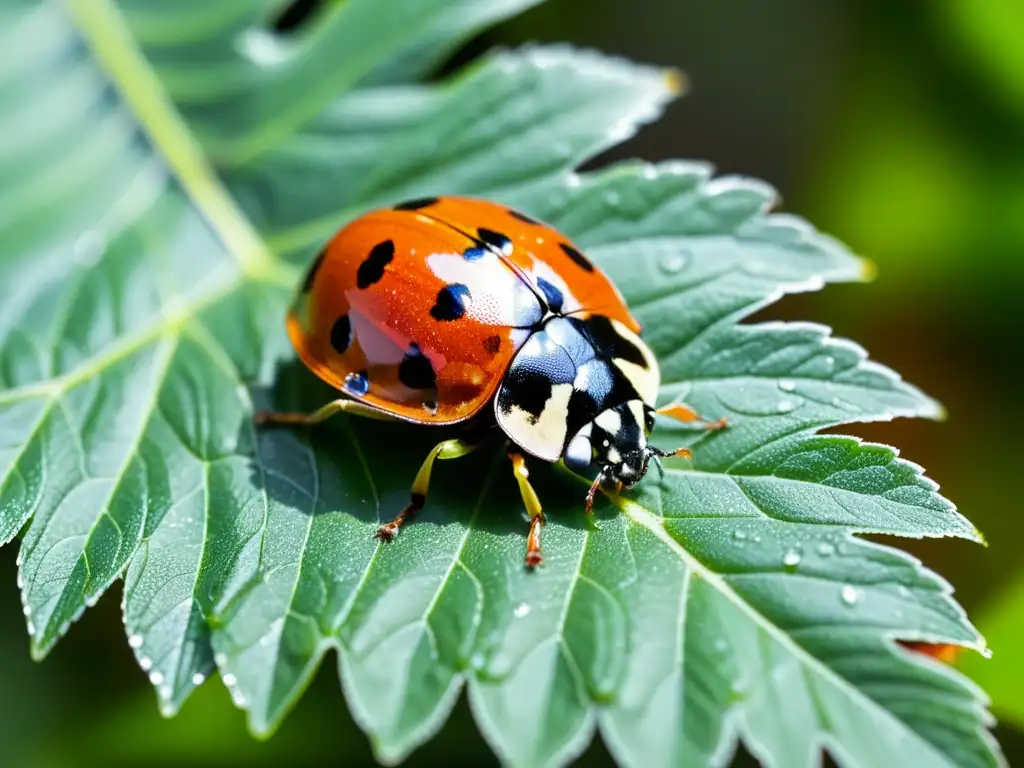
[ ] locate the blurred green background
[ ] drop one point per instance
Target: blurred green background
(897, 127)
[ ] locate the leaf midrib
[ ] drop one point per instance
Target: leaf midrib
(108, 37)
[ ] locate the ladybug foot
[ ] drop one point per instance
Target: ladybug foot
(533, 555)
(386, 531)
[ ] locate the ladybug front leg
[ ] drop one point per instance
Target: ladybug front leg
(533, 508)
(687, 415)
(449, 449)
(277, 418)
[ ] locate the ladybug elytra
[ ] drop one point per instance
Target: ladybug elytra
(443, 310)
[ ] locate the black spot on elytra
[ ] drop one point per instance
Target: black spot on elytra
(474, 253)
(576, 256)
(415, 205)
(527, 388)
(372, 270)
(496, 240)
(341, 334)
(416, 370)
(450, 303)
(552, 295)
(307, 286)
(522, 216)
(492, 344)
(608, 342)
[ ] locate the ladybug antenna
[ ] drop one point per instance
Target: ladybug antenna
(657, 462)
(657, 454)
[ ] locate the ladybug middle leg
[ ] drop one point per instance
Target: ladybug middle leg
(533, 508)
(448, 449)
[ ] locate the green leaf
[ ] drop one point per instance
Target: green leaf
(154, 212)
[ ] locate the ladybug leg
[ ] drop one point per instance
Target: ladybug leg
(687, 415)
(533, 508)
(449, 449)
(276, 418)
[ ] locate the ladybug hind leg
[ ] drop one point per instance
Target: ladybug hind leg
(533, 508)
(448, 449)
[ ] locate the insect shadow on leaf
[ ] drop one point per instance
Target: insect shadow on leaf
(363, 467)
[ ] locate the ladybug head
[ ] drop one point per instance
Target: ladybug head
(616, 440)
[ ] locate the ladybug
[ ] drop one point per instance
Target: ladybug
(453, 310)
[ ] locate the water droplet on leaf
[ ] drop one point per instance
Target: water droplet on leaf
(791, 559)
(849, 595)
(673, 263)
(521, 610)
(135, 641)
(787, 385)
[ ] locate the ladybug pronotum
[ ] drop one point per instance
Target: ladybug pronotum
(453, 310)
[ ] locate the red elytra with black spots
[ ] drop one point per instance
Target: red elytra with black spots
(418, 310)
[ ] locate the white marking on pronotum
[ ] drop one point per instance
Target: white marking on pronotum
(544, 436)
(645, 379)
(610, 421)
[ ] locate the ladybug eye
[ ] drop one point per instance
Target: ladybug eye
(579, 453)
(648, 420)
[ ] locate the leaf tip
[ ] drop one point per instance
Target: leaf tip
(36, 651)
(676, 81)
(868, 270)
(168, 708)
(41, 641)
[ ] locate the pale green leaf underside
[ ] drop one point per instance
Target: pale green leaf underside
(729, 599)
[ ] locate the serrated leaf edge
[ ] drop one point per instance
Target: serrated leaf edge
(641, 516)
